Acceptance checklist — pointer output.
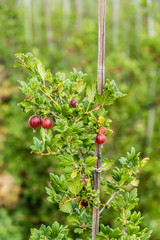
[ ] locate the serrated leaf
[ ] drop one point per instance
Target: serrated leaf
(117, 92)
(58, 183)
(66, 160)
(41, 69)
(75, 185)
(107, 164)
(90, 161)
(78, 230)
(147, 236)
(90, 93)
(66, 207)
(24, 88)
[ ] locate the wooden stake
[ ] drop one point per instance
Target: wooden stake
(152, 84)
(100, 85)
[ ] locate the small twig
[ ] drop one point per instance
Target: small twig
(45, 86)
(47, 95)
(22, 61)
(78, 119)
(59, 98)
(46, 154)
(124, 219)
(51, 113)
(71, 199)
(94, 109)
(108, 202)
(54, 115)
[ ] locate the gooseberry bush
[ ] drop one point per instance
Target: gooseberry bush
(71, 116)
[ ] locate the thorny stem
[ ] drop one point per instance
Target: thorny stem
(47, 95)
(51, 113)
(82, 225)
(71, 199)
(93, 110)
(124, 219)
(22, 61)
(46, 154)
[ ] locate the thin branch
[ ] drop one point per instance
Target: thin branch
(47, 95)
(124, 220)
(59, 98)
(51, 113)
(108, 202)
(46, 154)
(22, 61)
(93, 110)
(54, 115)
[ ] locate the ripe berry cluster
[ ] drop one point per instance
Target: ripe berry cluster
(35, 122)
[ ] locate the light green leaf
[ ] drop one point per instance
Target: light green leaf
(66, 207)
(41, 69)
(90, 93)
(75, 185)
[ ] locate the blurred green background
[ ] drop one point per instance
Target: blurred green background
(63, 34)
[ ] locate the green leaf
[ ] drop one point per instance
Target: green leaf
(78, 230)
(53, 196)
(66, 160)
(107, 98)
(41, 69)
(135, 182)
(75, 185)
(56, 232)
(48, 76)
(91, 161)
(27, 105)
(58, 183)
(116, 90)
(136, 218)
(66, 207)
(24, 88)
(34, 84)
(31, 63)
(107, 164)
(90, 93)
(61, 125)
(147, 236)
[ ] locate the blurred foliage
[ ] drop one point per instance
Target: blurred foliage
(133, 60)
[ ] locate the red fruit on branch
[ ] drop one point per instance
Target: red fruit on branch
(103, 130)
(35, 122)
(73, 103)
(100, 139)
(47, 123)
